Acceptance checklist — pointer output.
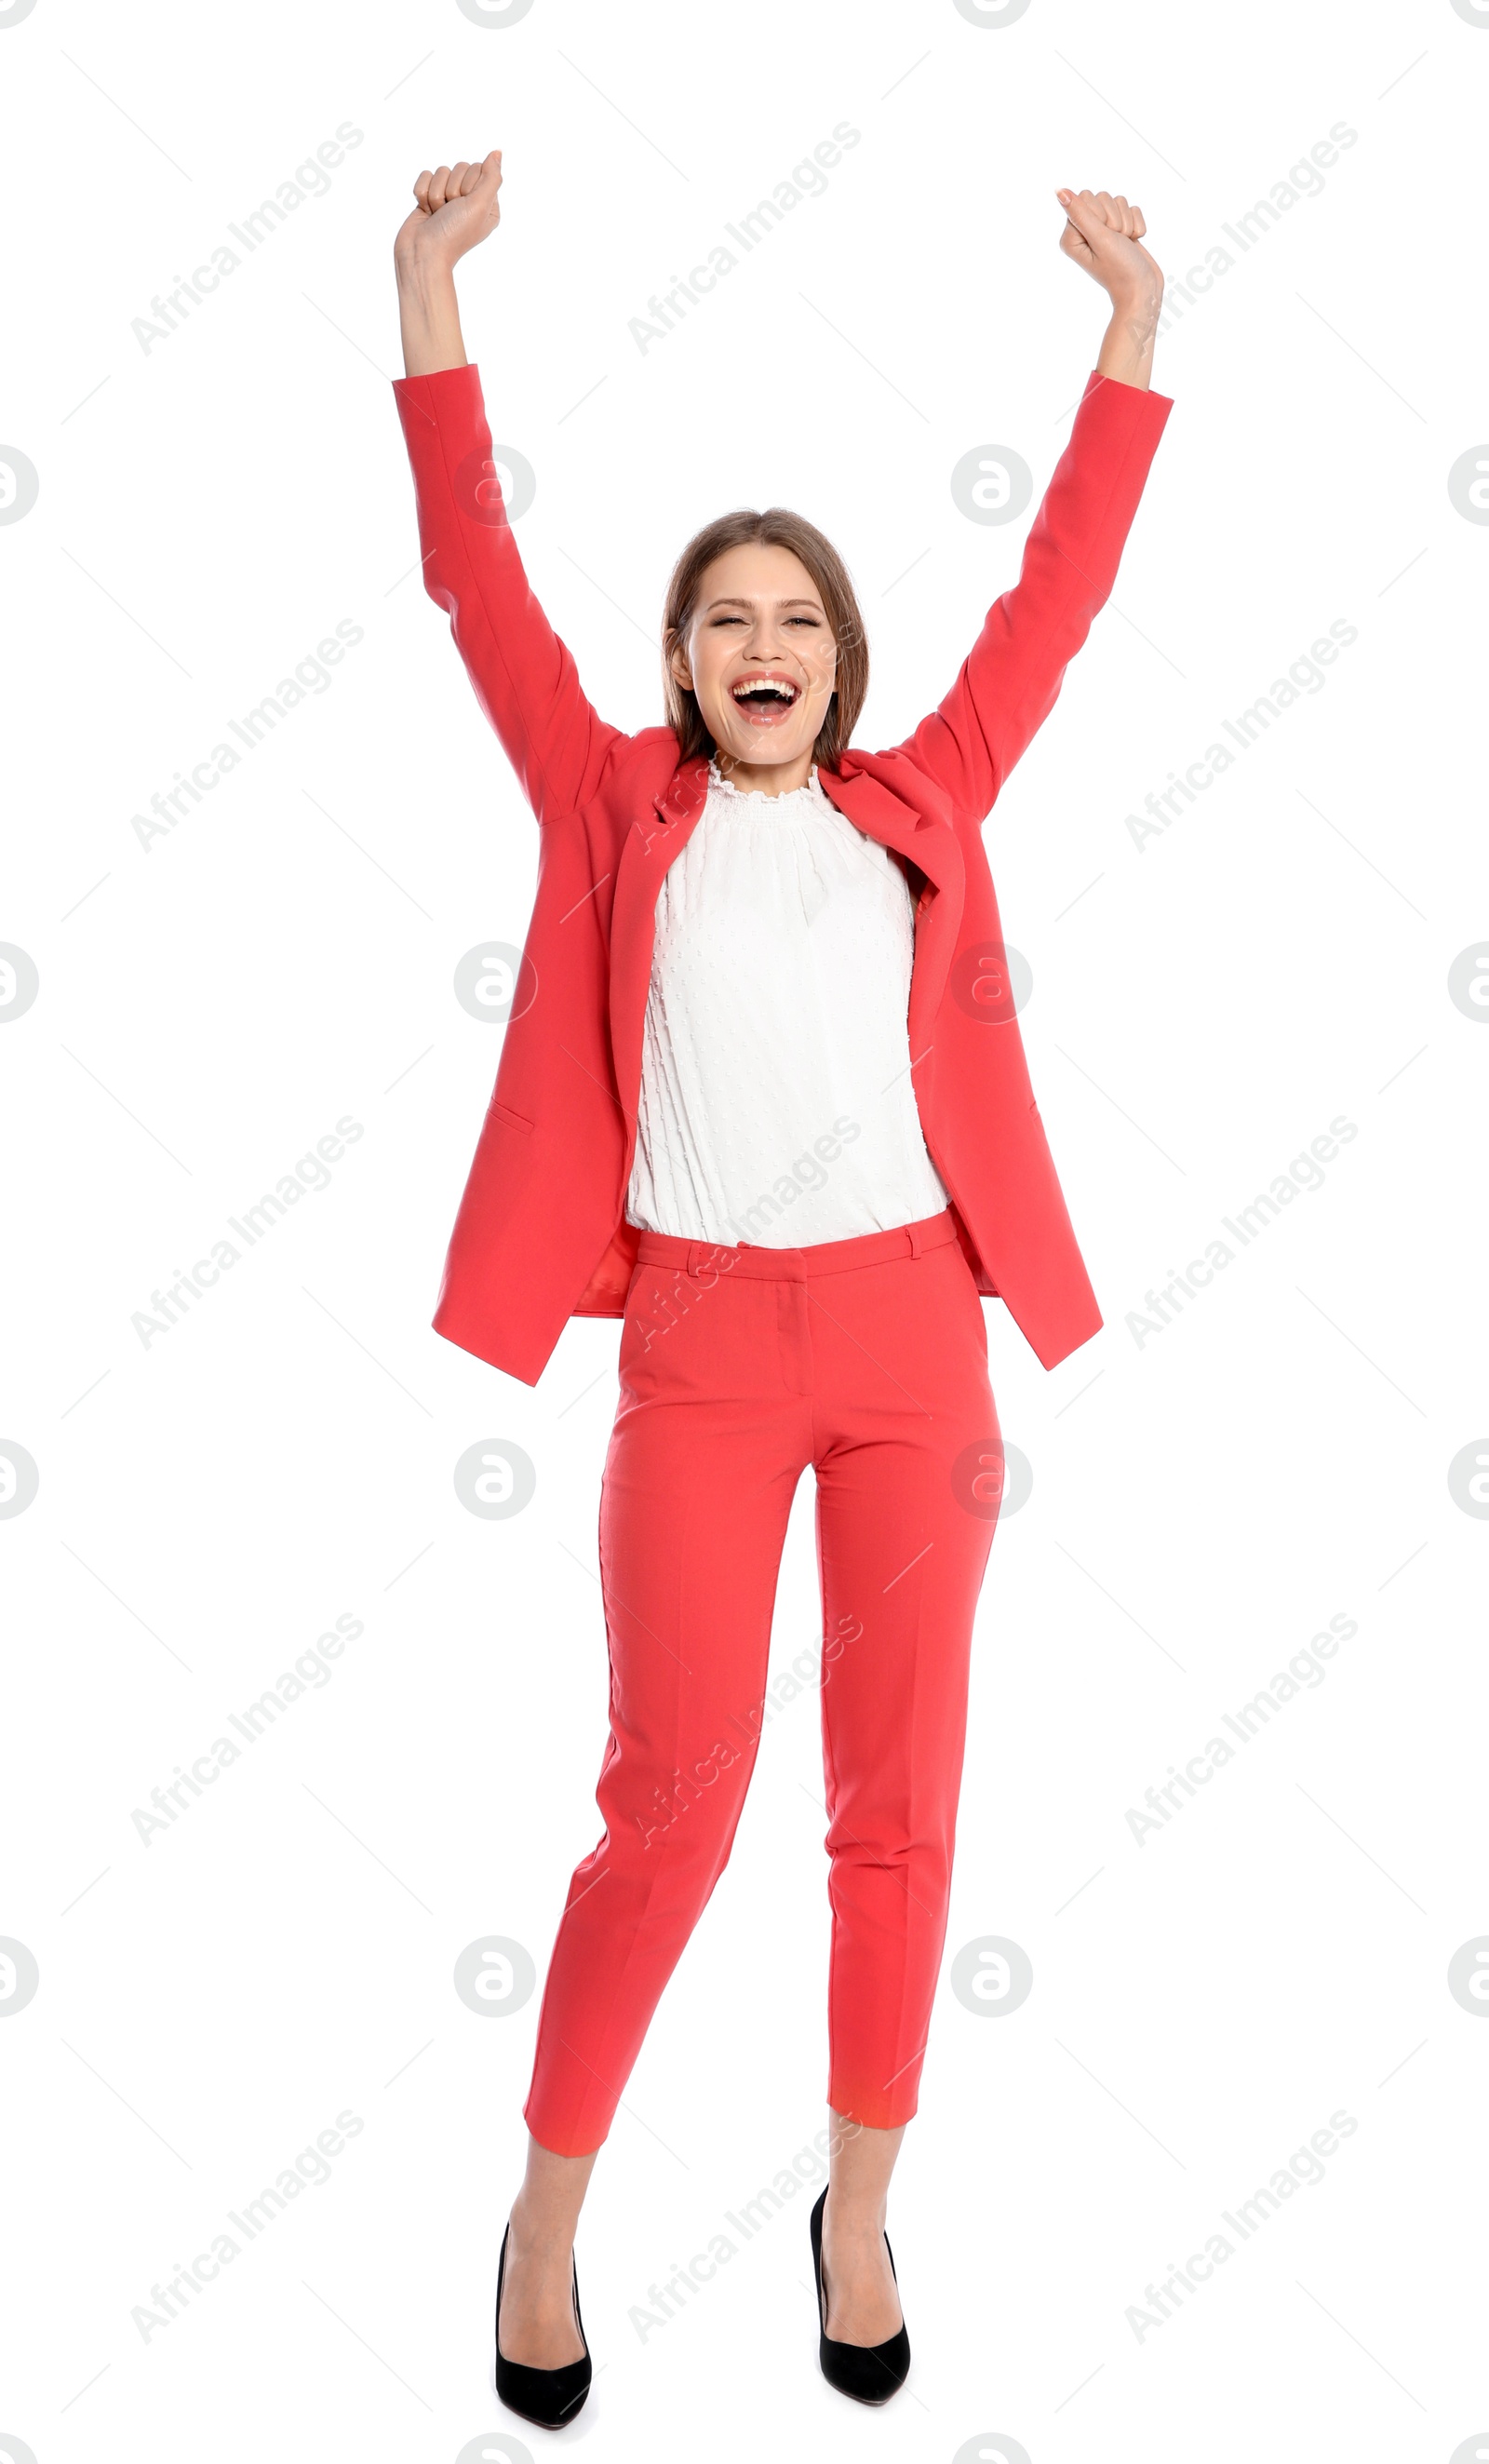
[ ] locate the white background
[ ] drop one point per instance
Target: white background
(1203, 1502)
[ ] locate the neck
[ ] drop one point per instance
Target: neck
(765, 777)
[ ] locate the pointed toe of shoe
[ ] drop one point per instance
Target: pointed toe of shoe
(549, 2398)
(869, 2373)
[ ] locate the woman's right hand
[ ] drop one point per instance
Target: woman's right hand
(458, 207)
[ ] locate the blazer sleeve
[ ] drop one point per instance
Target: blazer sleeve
(524, 676)
(1009, 681)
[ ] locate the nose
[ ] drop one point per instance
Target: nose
(767, 639)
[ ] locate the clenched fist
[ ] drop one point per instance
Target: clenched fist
(457, 207)
(1105, 234)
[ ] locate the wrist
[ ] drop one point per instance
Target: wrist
(422, 275)
(1137, 305)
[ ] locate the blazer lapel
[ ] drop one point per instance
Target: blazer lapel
(655, 839)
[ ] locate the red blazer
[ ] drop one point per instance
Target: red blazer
(541, 1235)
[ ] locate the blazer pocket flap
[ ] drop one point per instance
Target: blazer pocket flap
(513, 1120)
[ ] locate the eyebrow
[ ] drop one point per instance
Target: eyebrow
(734, 601)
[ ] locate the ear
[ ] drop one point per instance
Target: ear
(678, 663)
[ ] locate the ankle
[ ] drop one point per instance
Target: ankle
(850, 2218)
(546, 2240)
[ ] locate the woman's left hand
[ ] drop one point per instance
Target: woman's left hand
(1105, 234)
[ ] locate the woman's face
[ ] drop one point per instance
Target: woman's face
(760, 654)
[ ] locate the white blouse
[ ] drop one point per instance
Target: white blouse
(776, 1100)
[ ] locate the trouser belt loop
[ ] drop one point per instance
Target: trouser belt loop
(917, 1238)
(708, 1254)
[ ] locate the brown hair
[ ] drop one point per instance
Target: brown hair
(775, 527)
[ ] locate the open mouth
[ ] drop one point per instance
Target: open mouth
(765, 700)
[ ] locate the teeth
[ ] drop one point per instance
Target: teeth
(764, 684)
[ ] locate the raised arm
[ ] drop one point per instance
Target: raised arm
(524, 677)
(1011, 678)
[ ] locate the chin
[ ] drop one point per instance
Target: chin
(769, 750)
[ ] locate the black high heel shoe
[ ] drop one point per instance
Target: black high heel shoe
(872, 2373)
(548, 2397)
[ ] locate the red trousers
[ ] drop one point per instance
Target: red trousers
(867, 1359)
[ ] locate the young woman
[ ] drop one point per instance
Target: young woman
(763, 1098)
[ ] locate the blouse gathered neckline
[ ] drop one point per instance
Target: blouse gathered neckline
(720, 785)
